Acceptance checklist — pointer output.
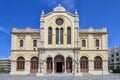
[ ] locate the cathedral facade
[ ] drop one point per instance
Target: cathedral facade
(59, 46)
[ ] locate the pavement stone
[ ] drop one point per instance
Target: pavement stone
(61, 77)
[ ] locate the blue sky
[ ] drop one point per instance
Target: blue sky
(23, 13)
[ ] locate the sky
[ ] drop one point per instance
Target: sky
(23, 13)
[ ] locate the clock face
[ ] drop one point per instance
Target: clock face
(59, 21)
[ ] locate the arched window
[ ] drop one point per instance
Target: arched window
(49, 65)
(97, 42)
(50, 35)
(34, 43)
(34, 64)
(84, 64)
(68, 35)
(61, 36)
(57, 36)
(20, 63)
(83, 43)
(21, 43)
(69, 64)
(98, 63)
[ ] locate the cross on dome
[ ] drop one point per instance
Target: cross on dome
(59, 8)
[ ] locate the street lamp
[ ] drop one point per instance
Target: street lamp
(77, 49)
(40, 51)
(77, 60)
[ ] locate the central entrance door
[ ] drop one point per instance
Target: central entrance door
(59, 67)
(59, 64)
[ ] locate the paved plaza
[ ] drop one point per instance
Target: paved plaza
(61, 77)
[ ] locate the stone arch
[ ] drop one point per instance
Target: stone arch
(69, 56)
(32, 55)
(49, 64)
(98, 63)
(84, 64)
(86, 56)
(34, 62)
(49, 56)
(69, 64)
(20, 63)
(99, 55)
(59, 64)
(59, 57)
(19, 55)
(56, 16)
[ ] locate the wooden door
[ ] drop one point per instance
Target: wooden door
(34, 65)
(84, 64)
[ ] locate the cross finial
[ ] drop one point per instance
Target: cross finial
(43, 12)
(76, 12)
(59, 5)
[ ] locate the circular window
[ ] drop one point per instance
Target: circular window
(59, 21)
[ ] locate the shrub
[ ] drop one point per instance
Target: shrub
(116, 70)
(2, 70)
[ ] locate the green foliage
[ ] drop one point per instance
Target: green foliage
(2, 70)
(116, 70)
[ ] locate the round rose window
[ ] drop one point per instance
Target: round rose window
(59, 21)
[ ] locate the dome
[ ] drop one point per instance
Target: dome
(59, 8)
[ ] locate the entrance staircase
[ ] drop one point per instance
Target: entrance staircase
(59, 74)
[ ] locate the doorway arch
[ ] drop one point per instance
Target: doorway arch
(49, 65)
(69, 65)
(84, 64)
(34, 65)
(59, 64)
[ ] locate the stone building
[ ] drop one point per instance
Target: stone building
(5, 65)
(114, 58)
(59, 46)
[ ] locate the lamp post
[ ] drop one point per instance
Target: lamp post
(77, 60)
(40, 51)
(77, 49)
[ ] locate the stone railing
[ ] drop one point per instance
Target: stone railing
(25, 30)
(93, 30)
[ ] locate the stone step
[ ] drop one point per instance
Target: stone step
(59, 74)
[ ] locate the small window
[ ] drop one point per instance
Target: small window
(21, 43)
(112, 60)
(57, 36)
(68, 35)
(117, 59)
(35, 43)
(112, 55)
(97, 43)
(83, 43)
(117, 54)
(61, 36)
(118, 67)
(50, 35)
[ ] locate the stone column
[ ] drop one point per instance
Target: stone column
(73, 67)
(27, 66)
(39, 67)
(44, 67)
(78, 66)
(13, 66)
(105, 67)
(65, 65)
(53, 68)
(91, 66)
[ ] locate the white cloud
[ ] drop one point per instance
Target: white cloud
(4, 30)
